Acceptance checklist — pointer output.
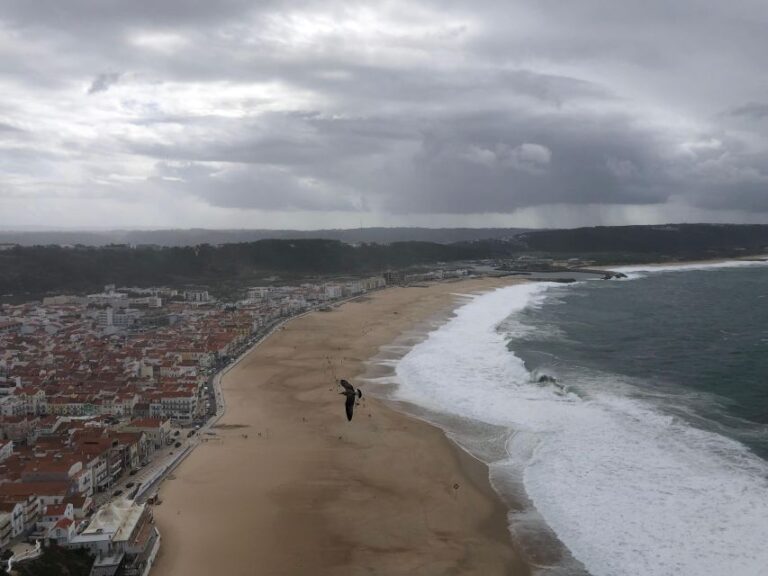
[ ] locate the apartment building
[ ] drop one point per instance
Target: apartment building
(11, 521)
(157, 430)
(121, 533)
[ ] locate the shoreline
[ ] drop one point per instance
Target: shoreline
(708, 262)
(151, 488)
(328, 555)
(386, 493)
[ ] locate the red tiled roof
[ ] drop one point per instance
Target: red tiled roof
(10, 489)
(146, 423)
(64, 523)
(55, 510)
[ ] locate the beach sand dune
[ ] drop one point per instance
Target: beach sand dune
(288, 486)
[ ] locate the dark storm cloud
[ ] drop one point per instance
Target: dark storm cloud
(497, 163)
(399, 108)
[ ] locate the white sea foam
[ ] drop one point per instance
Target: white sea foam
(628, 489)
(637, 270)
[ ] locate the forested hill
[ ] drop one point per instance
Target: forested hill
(690, 240)
(30, 272)
(41, 269)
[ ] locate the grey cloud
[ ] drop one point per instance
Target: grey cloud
(416, 84)
(274, 139)
(423, 107)
(102, 82)
(753, 110)
(80, 14)
(530, 161)
(264, 188)
(5, 127)
(490, 162)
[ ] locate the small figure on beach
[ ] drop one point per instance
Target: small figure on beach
(352, 395)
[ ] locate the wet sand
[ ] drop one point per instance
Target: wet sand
(287, 486)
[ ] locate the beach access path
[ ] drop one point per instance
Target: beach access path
(285, 485)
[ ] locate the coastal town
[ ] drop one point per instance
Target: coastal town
(101, 395)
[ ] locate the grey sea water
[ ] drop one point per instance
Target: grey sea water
(648, 453)
(693, 342)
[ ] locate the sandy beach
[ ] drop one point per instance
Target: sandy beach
(288, 486)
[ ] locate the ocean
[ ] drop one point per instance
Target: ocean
(625, 422)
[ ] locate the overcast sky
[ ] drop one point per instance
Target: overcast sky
(316, 114)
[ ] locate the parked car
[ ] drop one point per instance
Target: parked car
(177, 445)
(117, 493)
(130, 485)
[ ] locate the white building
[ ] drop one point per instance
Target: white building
(55, 512)
(113, 299)
(178, 405)
(6, 529)
(11, 514)
(147, 301)
(105, 317)
(12, 406)
(333, 291)
(196, 296)
(6, 449)
(157, 430)
(120, 532)
(353, 288)
(259, 292)
(120, 317)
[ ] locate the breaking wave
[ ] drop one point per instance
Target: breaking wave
(627, 488)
